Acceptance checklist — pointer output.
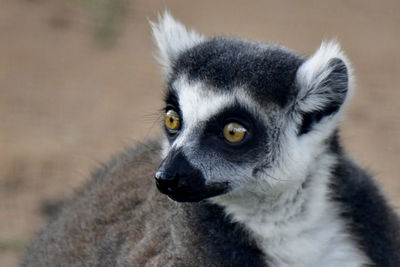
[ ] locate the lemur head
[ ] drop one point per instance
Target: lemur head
(241, 115)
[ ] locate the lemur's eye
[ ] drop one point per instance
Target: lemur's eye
(172, 120)
(234, 132)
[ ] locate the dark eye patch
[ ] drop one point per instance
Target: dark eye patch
(171, 101)
(213, 140)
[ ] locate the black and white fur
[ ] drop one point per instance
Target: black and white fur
(290, 186)
(287, 195)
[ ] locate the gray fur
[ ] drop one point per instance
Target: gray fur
(119, 219)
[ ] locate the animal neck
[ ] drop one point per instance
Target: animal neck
(289, 199)
(295, 220)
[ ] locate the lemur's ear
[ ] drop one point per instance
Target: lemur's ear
(324, 81)
(171, 38)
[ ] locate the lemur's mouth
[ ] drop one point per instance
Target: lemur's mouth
(187, 194)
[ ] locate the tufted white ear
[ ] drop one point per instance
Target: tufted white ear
(172, 38)
(324, 81)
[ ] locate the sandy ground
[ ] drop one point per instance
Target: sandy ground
(67, 102)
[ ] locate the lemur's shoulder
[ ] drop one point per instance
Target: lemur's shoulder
(119, 219)
(368, 214)
(102, 215)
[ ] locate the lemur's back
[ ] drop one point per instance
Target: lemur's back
(119, 219)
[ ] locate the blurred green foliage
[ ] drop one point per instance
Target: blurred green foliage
(108, 16)
(12, 245)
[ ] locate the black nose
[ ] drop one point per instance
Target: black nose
(166, 182)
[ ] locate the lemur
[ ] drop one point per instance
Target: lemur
(251, 170)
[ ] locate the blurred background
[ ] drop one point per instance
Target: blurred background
(78, 83)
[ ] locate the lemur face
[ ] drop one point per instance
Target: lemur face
(240, 115)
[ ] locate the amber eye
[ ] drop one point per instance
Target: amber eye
(234, 132)
(172, 120)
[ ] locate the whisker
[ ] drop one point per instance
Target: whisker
(277, 179)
